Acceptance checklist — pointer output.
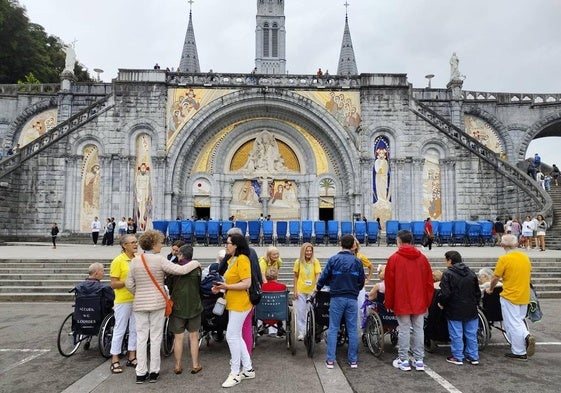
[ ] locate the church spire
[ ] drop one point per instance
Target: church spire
(189, 57)
(347, 61)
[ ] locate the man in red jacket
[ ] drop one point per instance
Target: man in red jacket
(409, 291)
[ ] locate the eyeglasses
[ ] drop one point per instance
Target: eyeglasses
(135, 242)
(229, 243)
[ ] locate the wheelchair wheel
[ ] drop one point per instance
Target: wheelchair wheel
(310, 337)
(168, 339)
(503, 330)
(291, 331)
(105, 335)
(68, 340)
(483, 331)
(374, 334)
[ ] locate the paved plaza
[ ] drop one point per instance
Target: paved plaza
(29, 359)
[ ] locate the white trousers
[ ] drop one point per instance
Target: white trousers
(513, 321)
(123, 317)
(149, 324)
(238, 348)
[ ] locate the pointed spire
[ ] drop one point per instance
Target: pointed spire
(347, 60)
(189, 57)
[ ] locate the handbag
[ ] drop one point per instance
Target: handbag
(169, 302)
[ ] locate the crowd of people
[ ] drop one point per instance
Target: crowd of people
(531, 230)
(407, 286)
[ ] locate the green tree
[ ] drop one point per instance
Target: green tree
(25, 48)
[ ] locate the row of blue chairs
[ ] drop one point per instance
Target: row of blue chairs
(466, 233)
(292, 232)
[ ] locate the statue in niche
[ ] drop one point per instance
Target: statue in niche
(265, 155)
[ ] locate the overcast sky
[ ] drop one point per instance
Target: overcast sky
(503, 45)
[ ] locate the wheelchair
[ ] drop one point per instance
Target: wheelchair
(272, 309)
(491, 308)
(378, 322)
(92, 317)
(436, 328)
(317, 322)
(212, 326)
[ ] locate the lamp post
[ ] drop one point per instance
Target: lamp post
(429, 77)
(98, 71)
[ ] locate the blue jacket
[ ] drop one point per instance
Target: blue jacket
(344, 274)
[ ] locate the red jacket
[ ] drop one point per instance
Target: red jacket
(409, 284)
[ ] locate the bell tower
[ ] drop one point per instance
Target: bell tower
(270, 37)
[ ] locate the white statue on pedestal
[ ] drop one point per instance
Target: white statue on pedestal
(454, 68)
(265, 156)
(70, 60)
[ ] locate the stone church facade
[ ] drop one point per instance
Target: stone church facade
(155, 144)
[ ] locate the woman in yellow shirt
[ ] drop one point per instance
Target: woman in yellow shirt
(237, 281)
(271, 259)
(306, 273)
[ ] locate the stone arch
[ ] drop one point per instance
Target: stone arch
(16, 126)
(78, 145)
(535, 129)
(271, 103)
(144, 127)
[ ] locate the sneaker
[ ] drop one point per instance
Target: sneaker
(530, 345)
(232, 380)
(142, 378)
(453, 360)
(471, 361)
(402, 364)
(154, 377)
(523, 358)
(353, 364)
(247, 374)
(329, 364)
(300, 337)
(419, 365)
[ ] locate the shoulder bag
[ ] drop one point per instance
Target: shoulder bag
(169, 302)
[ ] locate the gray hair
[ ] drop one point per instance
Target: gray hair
(486, 271)
(509, 241)
(234, 230)
(95, 267)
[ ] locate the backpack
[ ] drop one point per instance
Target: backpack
(255, 290)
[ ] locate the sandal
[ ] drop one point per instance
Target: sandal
(132, 362)
(178, 370)
(116, 368)
(195, 370)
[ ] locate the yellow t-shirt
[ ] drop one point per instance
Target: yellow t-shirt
(307, 272)
(364, 259)
(263, 264)
(515, 268)
(120, 270)
(239, 268)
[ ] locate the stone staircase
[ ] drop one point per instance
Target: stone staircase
(26, 280)
(553, 234)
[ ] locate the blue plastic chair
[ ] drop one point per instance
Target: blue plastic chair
(213, 232)
(392, 227)
(307, 229)
(418, 229)
(242, 225)
(187, 231)
(372, 233)
(294, 232)
(474, 234)
(282, 228)
(319, 231)
(161, 226)
(360, 231)
(459, 232)
(254, 229)
(332, 232)
(225, 226)
(487, 232)
(267, 227)
(346, 228)
(201, 232)
(174, 231)
(445, 233)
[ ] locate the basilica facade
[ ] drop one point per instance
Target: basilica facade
(155, 144)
